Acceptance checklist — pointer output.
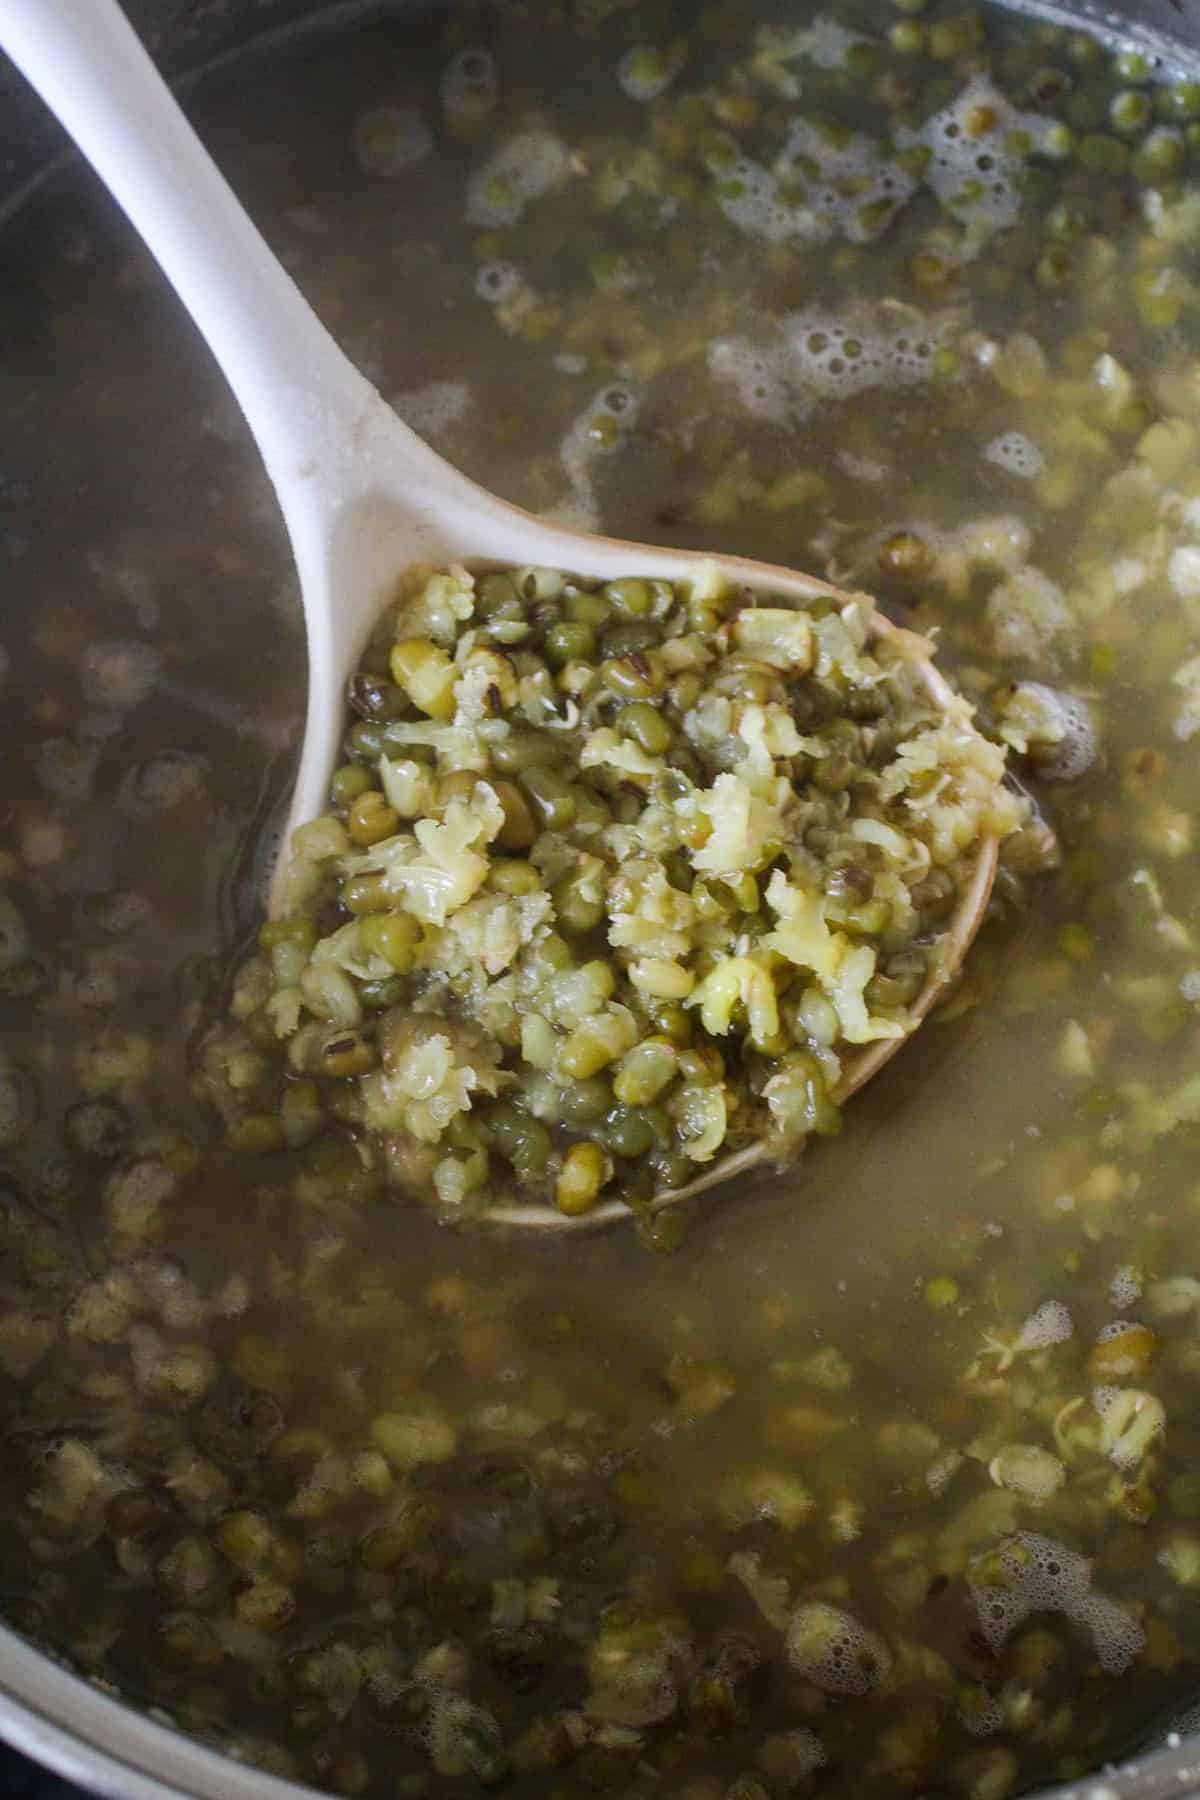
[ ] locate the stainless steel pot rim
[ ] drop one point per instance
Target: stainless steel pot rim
(105, 1745)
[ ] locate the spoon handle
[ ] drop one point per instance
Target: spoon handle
(301, 395)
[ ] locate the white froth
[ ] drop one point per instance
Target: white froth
(791, 1756)
(837, 358)
(762, 377)
(823, 183)
(497, 282)
(1049, 1324)
(939, 1474)
(118, 674)
(503, 287)
(1178, 1295)
(975, 165)
(1118, 1637)
(833, 1651)
(646, 72)
(432, 409)
(1114, 1329)
(828, 182)
(524, 169)
(824, 43)
(599, 430)
(1016, 454)
(1027, 613)
(982, 1719)
(1041, 1575)
(848, 184)
(164, 781)
(748, 195)
(863, 468)
(391, 140)
(1075, 743)
(469, 87)
(1185, 1724)
(815, 355)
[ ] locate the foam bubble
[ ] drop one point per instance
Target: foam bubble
(118, 674)
(748, 195)
(833, 1651)
(391, 140)
(645, 72)
(524, 169)
(790, 1756)
(503, 286)
(1049, 1572)
(1038, 1574)
(634, 1684)
(1049, 1324)
(824, 181)
(130, 583)
(941, 1473)
(469, 88)
(838, 357)
(863, 468)
(1184, 1724)
(984, 1717)
(176, 1299)
(432, 409)
(1027, 613)
(1075, 745)
(497, 282)
(599, 430)
(848, 183)
(825, 43)
(816, 355)
(1016, 454)
(1114, 1329)
(829, 181)
(999, 1614)
(463, 1739)
(1177, 1295)
(977, 155)
(162, 782)
(1118, 1637)
(761, 376)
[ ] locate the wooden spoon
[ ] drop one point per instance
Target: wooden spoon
(362, 496)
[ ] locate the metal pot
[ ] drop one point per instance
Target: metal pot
(46, 1711)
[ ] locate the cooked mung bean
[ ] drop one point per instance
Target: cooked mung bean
(735, 877)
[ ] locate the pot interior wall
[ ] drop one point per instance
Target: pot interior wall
(189, 36)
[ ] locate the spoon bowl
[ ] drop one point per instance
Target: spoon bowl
(362, 496)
